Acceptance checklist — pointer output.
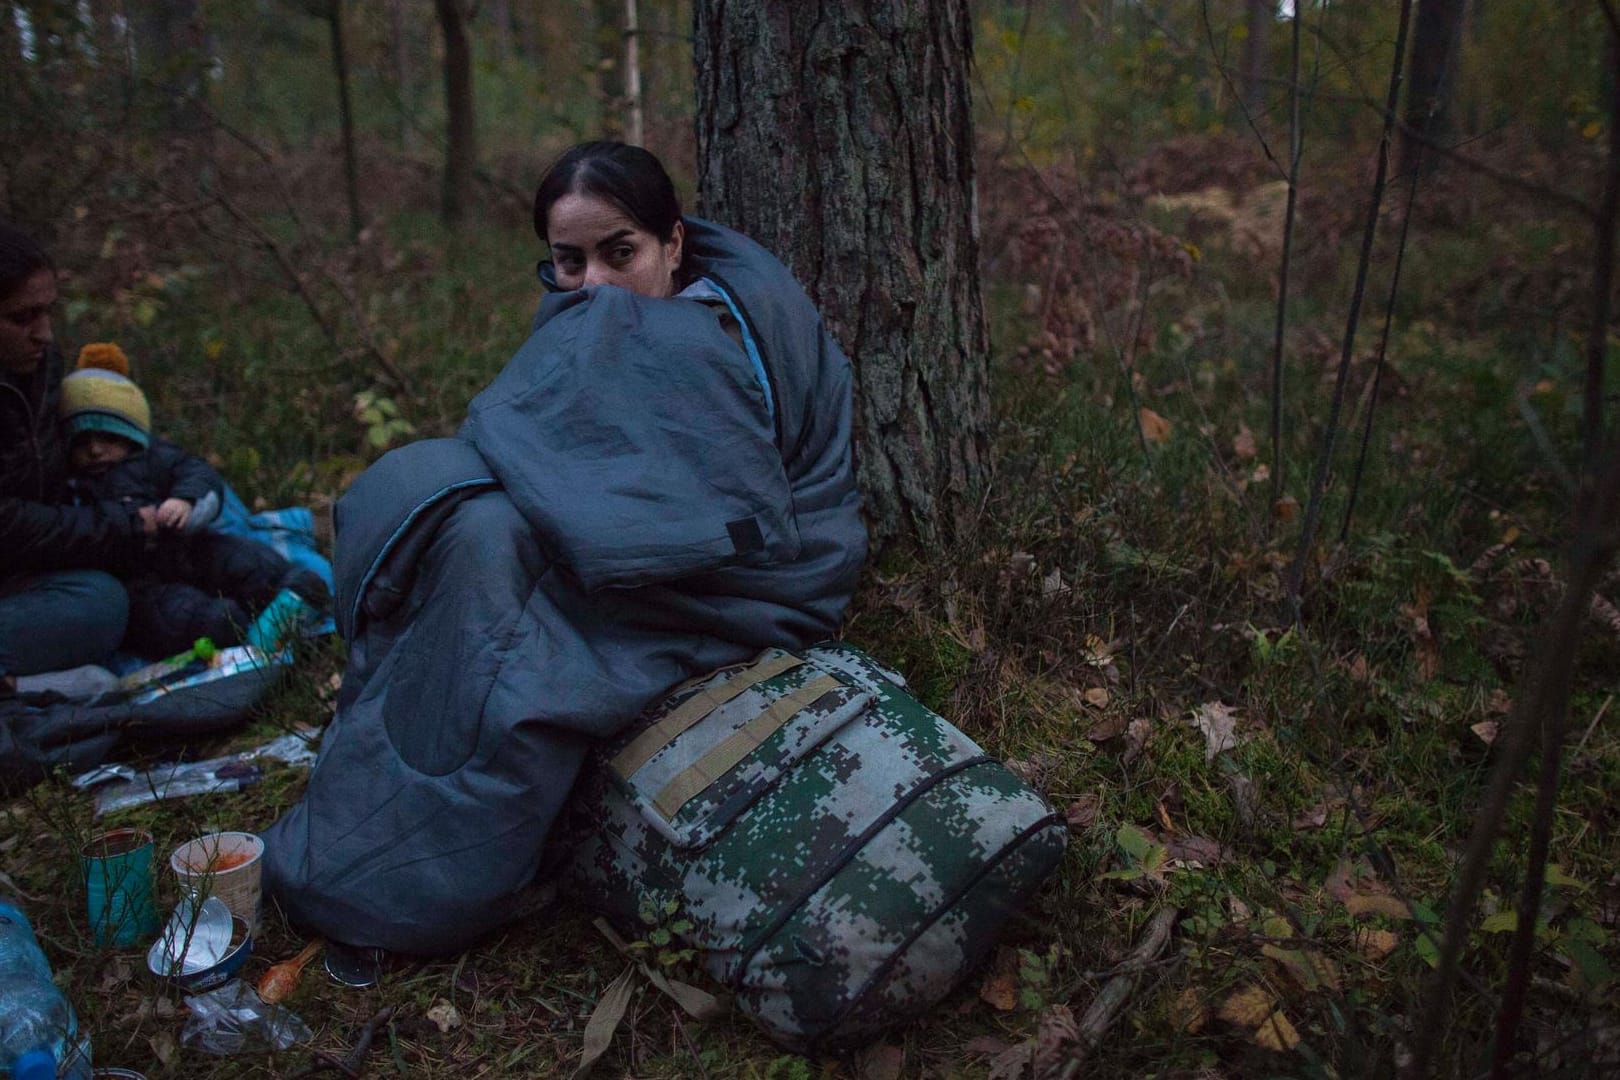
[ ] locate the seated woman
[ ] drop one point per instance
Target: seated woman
(659, 483)
(59, 607)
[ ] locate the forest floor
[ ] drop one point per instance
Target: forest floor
(1114, 626)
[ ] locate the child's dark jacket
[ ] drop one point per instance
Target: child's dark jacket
(161, 471)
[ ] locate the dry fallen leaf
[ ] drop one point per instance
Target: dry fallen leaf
(1375, 944)
(116, 977)
(882, 1062)
(1285, 509)
(444, 1015)
(1218, 723)
(999, 991)
(1188, 1013)
(1311, 970)
(1155, 428)
(1243, 443)
(1106, 727)
(1276, 1033)
(163, 1047)
(1247, 1007)
(1426, 647)
(1317, 816)
(1136, 737)
(1360, 670)
(1198, 850)
(1011, 1063)
(1486, 730)
(1251, 1007)
(1096, 697)
(1055, 1035)
(1375, 904)
(1082, 813)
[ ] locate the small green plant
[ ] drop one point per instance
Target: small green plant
(381, 418)
(1145, 858)
(789, 1067)
(666, 929)
(1036, 972)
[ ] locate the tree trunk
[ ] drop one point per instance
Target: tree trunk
(500, 29)
(171, 51)
(351, 164)
(404, 75)
(460, 153)
(632, 74)
(1261, 14)
(1431, 78)
(609, 77)
(840, 136)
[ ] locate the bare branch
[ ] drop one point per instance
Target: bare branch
(1324, 459)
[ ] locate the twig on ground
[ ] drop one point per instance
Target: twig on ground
(697, 1059)
(352, 1064)
(1597, 716)
(1111, 999)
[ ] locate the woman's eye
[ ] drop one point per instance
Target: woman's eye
(622, 254)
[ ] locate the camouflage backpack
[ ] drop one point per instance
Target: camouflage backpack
(840, 856)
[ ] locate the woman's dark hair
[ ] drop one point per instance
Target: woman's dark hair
(21, 258)
(626, 176)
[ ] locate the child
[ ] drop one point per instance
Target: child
(193, 582)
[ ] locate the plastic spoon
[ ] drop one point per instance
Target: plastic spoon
(282, 978)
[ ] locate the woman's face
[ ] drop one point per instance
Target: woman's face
(25, 323)
(593, 242)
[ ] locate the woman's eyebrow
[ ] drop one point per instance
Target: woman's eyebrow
(614, 238)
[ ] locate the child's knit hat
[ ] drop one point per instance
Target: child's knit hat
(99, 396)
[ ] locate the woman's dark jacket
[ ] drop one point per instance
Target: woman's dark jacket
(39, 531)
(634, 500)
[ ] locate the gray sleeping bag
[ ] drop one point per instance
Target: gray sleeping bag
(636, 499)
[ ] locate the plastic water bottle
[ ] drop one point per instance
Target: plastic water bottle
(277, 624)
(39, 1033)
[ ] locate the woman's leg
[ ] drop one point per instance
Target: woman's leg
(49, 622)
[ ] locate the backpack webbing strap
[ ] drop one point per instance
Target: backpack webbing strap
(695, 778)
(695, 708)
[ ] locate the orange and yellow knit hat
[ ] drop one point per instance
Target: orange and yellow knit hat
(100, 396)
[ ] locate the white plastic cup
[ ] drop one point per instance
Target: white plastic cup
(226, 865)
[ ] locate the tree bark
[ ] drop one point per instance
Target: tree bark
(632, 75)
(172, 51)
(500, 29)
(609, 67)
(840, 136)
(1431, 78)
(460, 153)
(1260, 15)
(404, 73)
(351, 164)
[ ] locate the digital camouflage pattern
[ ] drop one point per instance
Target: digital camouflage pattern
(843, 854)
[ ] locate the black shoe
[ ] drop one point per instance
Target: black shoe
(308, 584)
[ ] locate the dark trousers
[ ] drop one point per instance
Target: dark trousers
(204, 585)
(49, 622)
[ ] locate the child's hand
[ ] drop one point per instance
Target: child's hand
(173, 513)
(149, 519)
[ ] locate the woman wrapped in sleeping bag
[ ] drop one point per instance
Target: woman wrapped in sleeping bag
(658, 483)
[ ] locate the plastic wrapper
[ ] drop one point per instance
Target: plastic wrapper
(232, 1020)
(129, 788)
